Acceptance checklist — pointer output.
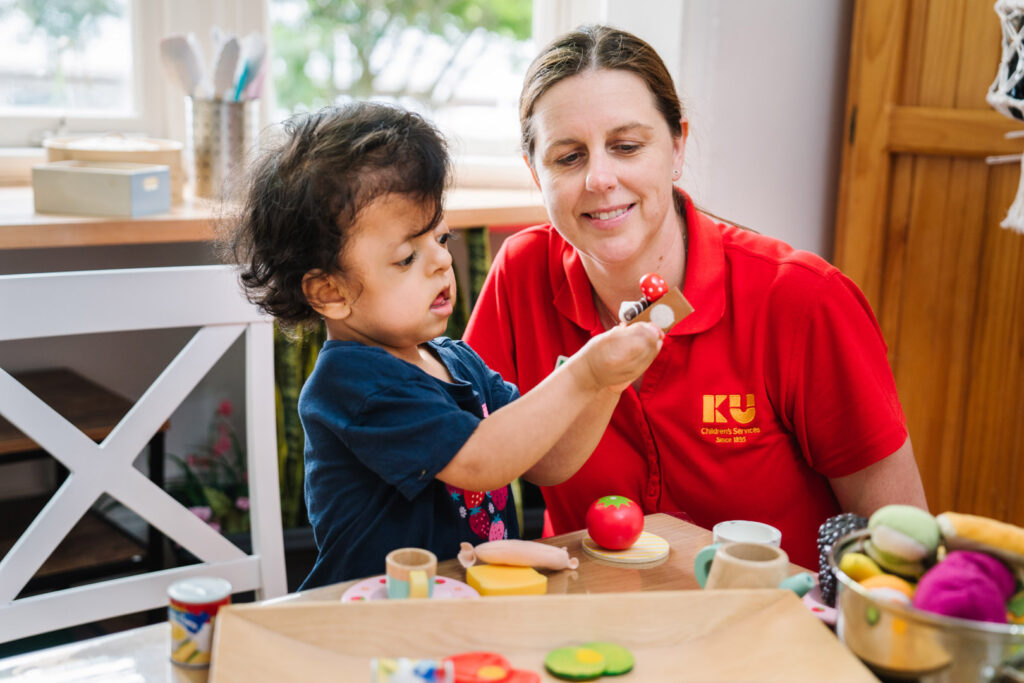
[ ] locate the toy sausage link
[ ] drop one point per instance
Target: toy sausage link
(517, 553)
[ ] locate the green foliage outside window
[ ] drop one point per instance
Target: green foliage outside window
(66, 23)
(369, 33)
(66, 26)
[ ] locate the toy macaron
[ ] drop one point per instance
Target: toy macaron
(904, 539)
(890, 587)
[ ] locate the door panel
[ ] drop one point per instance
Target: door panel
(918, 230)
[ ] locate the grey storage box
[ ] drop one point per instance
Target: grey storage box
(101, 188)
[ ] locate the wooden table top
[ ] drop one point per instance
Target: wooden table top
(22, 228)
(593, 575)
(145, 651)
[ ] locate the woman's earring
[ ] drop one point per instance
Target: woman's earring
(675, 174)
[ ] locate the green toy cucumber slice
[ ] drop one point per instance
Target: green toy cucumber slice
(617, 659)
(575, 663)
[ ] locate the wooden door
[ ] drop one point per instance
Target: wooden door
(918, 230)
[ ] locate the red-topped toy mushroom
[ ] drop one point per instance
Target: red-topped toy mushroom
(660, 304)
(653, 287)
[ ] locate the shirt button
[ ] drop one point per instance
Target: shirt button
(422, 473)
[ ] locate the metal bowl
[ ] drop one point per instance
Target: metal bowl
(902, 642)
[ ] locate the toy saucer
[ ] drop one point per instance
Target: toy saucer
(812, 600)
(375, 588)
(648, 548)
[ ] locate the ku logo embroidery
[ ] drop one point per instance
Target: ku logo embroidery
(723, 408)
(727, 418)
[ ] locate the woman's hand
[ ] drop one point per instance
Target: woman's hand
(614, 359)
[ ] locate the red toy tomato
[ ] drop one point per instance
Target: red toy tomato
(615, 522)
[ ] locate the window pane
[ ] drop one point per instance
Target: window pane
(65, 57)
(459, 62)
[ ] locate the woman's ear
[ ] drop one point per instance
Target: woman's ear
(679, 144)
(526, 160)
(326, 294)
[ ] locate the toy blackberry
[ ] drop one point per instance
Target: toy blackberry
(828, 533)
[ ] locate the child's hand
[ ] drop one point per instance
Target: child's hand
(614, 359)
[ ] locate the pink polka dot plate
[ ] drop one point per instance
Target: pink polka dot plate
(374, 588)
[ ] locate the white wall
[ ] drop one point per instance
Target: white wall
(764, 83)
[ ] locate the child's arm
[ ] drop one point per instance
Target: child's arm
(581, 438)
(546, 420)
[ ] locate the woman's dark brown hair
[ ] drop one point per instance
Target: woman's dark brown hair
(597, 47)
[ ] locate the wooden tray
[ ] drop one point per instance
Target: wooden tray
(731, 635)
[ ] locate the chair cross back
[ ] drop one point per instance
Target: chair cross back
(46, 305)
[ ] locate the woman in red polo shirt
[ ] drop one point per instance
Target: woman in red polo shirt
(772, 401)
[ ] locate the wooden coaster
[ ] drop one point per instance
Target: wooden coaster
(648, 548)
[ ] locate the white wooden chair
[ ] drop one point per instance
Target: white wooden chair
(58, 304)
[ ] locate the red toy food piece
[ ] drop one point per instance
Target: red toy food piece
(480, 667)
(615, 522)
(653, 287)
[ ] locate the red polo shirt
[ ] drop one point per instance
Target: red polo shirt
(777, 381)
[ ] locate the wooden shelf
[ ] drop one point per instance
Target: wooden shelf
(93, 543)
(90, 407)
(22, 228)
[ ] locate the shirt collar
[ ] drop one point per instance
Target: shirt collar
(703, 285)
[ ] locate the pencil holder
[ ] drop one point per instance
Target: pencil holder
(221, 135)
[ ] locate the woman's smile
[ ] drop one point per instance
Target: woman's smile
(609, 217)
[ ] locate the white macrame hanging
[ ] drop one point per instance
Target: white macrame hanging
(1006, 95)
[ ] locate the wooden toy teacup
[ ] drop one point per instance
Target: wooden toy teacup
(748, 565)
(743, 565)
(410, 573)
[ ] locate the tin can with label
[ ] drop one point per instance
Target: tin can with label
(192, 611)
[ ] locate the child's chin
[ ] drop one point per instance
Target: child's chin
(441, 327)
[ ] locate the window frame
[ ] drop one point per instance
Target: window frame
(26, 130)
(159, 104)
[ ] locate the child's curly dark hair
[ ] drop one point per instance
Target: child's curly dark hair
(303, 194)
